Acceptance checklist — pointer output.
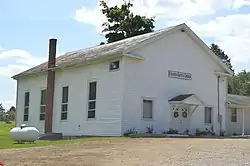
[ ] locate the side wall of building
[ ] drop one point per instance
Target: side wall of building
(108, 100)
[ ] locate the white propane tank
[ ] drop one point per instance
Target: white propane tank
(24, 133)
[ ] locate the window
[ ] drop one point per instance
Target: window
(208, 115)
(26, 106)
(147, 109)
(92, 100)
(64, 105)
(114, 65)
(233, 115)
(42, 104)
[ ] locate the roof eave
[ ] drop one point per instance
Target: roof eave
(133, 56)
(238, 106)
(88, 62)
(223, 74)
(16, 77)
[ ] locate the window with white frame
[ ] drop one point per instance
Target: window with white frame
(26, 106)
(233, 115)
(147, 109)
(42, 104)
(64, 105)
(208, 115)
(115, 65)
(92, 100)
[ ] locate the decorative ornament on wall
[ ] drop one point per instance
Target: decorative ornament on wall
(176, 114)
(184, 114)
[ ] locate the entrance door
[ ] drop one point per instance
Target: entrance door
(180, 118)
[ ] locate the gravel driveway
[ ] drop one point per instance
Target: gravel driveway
(129, 152)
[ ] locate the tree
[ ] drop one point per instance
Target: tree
(1, 112)
(240, 83)
(122, 23)
(225, 59)
(11, 114)
(221, 54)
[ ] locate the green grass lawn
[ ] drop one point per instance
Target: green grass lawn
(6, 142)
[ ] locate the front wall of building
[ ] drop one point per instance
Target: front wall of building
(148, 78)
(108, 102)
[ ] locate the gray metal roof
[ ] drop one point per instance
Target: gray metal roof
(181, 97)
(93, 53)
(239, 100)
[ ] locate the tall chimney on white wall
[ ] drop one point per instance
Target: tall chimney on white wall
(50, 86)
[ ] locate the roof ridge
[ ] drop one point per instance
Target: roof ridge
(122, 40)
(96, 52)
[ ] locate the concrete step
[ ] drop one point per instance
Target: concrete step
(51, 136)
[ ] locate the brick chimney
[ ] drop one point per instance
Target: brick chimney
(50, 86)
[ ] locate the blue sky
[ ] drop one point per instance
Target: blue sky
(26, 22)
(27, 25)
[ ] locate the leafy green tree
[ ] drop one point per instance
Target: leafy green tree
(11, 114)
(122, 23)
(225, 59)
(221, 54)
(1, 112)
(240, 83)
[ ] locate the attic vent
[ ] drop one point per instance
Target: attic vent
(115, 65)
(183, 30)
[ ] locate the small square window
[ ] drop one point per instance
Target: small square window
(114, 65)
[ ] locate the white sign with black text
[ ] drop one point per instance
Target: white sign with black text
(179, 75)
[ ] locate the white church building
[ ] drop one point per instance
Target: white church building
(165, 79)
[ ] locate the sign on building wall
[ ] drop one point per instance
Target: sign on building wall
(179, 75)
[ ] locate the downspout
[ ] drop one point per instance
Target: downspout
(218, 96)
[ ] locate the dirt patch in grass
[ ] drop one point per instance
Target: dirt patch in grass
(144, 151)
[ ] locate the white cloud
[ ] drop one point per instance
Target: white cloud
(161, 9)
(17, 61)
(168, 9)
(12, 62)
(8, 103)
(89, 16)
(239, 3)
(231, 33)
